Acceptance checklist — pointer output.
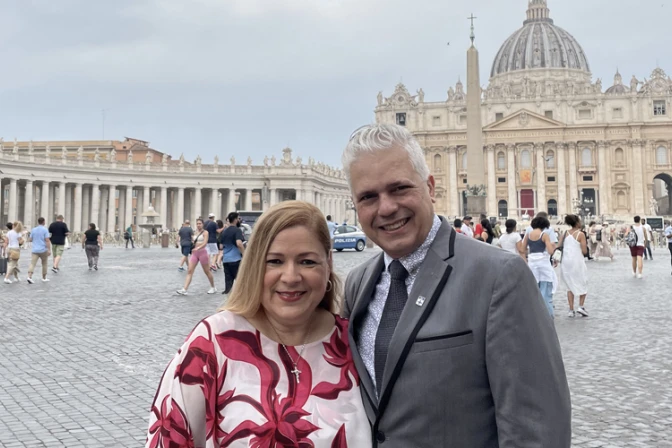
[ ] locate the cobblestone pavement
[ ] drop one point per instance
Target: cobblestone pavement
(81, 356)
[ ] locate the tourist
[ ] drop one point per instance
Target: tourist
(497, 230)
(92, 245)
(457, 225)
(668, 236)
(186, 234)
(478, 231)
(540, 246)
(232, 240)
(58, 234)
(511, 240)
(199, 254)
(211, 227)
(273, 368)
(331, 226)
(466, 228)
(648, 235)
(592, 238)
(41, 250)
(13, 244)
(473, 359)
(487, 235)
(604, 242)
(548, 231)
(128, 236)
(573, 267)
(637, 251)
(220, 245)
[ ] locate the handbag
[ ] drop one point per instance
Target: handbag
(556, 256)
(14, 254)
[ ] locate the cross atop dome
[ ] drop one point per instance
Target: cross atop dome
(537, 11)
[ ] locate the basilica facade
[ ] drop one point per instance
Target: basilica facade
(553, 138)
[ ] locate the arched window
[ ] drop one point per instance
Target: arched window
(501, 161)
(586, 157)
(661, 155)
(503, 209)
(550, 160)
(620, 156)
(621, 200)
(525, 160)
(464, 161)
(553, 207)
(437, 162)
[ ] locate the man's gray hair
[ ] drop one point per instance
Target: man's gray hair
(381, 137)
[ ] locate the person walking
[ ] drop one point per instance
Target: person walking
(573, 266)
(41, 250)
(13, 243)
(540, 246)
(637, 251)
(199, 255)
(648, 234)
(603, 242)
(58, 233)
(186, 234)
(210, 226)
(331, 226)
(92, 245)
(668, 237)
(511, 240)
(487, 235)
(466, 227)
(220, 246)
(128, 236)
(232, 238)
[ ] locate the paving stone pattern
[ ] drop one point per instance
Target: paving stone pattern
(81, 356)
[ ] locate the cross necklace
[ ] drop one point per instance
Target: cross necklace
(296, 372)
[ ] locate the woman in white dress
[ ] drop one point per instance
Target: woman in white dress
(603, 242)
(573, 266)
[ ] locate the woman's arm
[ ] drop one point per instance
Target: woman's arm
(522, 248)
(550, 247)
(584, 245)
(100, 241)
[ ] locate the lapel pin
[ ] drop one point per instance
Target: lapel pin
(420, 301)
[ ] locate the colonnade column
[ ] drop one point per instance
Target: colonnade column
(77, 220)
(145, 199)
(562, 181)
(232, 200)
(61, 199)
(129, 207)
(29, 205)
(603, 179)
(13, 201)
(111, 208)
(44, 203)
(86, 209)
(573, 185)
(95, 205)
(248, 199)
(542, 205)
(198, 204)
(164, 207)
(213, 204)
(452, 182)
(273, 193)
(512, 205)
(492, 182)
(180, 206)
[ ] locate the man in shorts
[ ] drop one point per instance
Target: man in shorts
(213, 250)
(186, 234)
(232, 238)
(59, 232)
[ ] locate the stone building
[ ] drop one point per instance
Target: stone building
(553, 139)
(111, 183)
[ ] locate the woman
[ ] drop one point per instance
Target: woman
(199, 254)
(592, 239)
(92, 244)
(487, 235)
(13, 243)
(603, 242)
(220, 245)
(274, 367)
(573, 266)
(540, 248)
(511, 240)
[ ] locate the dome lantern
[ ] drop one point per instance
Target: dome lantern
(538, 11)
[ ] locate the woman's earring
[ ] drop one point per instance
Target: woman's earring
(330, 285)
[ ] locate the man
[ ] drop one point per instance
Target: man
(668, 236)
(41, 250)
(331, 226)
(648, 235)
(637, 251)
(452, 342)
(58, 231)
(232, 239)
(466, 227)
(549, 231)
(211, 226)
(186, 234)
(457, 225)
(128, 236)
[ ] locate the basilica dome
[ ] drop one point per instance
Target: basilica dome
(539, 44)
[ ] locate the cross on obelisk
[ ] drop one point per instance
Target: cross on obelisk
(472, 18)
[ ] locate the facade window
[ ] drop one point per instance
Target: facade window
(401, 119)
(659, 108)
(464, 181)
(437, 162)
(501, 161)
(525, 159)
(553, 207)
(586, 157)
(550, 179)
(501, 180)
(499, 116)
(548, 114)
(617, 112)
(661, 156)
(436, 121)
(503, 209)
(585, 114)
(550, 160)
(587, 178)
(620, 156)
(621, 200)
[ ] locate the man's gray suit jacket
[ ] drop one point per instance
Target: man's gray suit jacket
(474, 361)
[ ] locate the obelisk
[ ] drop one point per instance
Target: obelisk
(476, 203)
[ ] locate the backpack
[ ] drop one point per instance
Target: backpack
(598, 235)
(631, 238)
(127, 236)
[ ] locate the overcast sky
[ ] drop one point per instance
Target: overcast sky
(249, 77)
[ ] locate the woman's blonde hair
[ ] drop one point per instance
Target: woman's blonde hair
(18, 227)
(245, 298)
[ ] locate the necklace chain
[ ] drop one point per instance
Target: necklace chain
(296, 370)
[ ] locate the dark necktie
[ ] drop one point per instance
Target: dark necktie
(396, 299)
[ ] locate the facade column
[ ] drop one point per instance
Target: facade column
(562, 181)
(273, 193)
(512, 205)
(453, 192)
(573, 185)
(111, 207)
(61, 199)
(232, 201)
(638, 177)
(95, 205)
(29, 205)
(44, 204)
(121, 210)
(248, 199)
(128, 221)
(13, 209)
(542, 204)
(68, 205)
(213, 204)
(86, 208)
(198, 204)
(602, 172)
(180, 206)
(492, 182)
(164, 207)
